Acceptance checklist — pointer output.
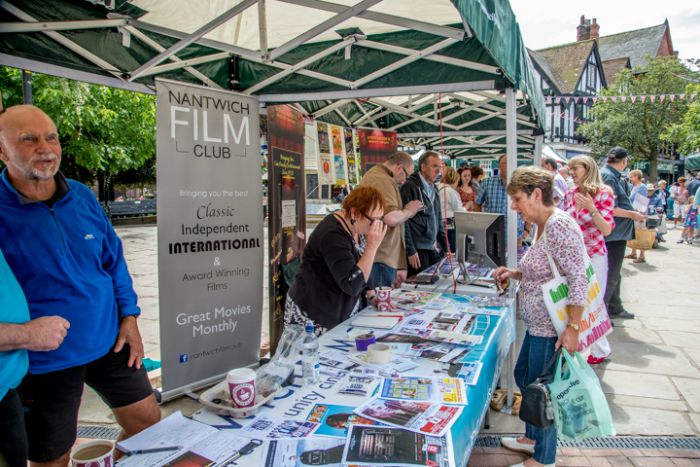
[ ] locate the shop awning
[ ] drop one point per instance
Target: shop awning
(692, 162)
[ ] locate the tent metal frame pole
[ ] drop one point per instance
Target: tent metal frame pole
(140, 35)
(368, 116)
(190, 38)
(183, 63)
(262, 26)
(512, 230)
(415, 56)
(330, 107)
(342, 116)
(377, 92)
(65, 42)
(322, 27)
(407, 112)
(499, 146)
(43, 26)
(64, 72)
(434, 58)
(437, 30)
(364, 111)
(537, 154)
(243, 53)
(413, 107)
(299, 65)
(502, 133)
(421, 116)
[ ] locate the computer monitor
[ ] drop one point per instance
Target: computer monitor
(480, 238)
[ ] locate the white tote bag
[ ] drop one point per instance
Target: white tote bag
(595, 322)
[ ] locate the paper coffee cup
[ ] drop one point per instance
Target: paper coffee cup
(241, 387)
(379, 353)
(93, 454)
(383, 296)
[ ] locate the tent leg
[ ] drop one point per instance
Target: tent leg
(512, 231)
(27, 87)
(537, 156)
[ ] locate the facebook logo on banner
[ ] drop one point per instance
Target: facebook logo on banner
(184, 358)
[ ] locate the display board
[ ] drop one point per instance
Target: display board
(210, 234)
(375, 146)
(286, 201)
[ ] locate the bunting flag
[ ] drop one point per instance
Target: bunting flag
(568, 100)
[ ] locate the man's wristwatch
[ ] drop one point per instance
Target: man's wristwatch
(576, 327)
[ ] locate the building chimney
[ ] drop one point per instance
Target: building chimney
(583, 30)
(595, 30)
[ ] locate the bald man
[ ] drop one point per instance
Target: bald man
(68, 261)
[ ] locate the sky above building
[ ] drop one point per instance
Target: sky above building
(544, 23)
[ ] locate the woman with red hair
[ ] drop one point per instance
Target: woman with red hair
(337, 261)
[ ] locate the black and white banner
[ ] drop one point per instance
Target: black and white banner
(210, 234)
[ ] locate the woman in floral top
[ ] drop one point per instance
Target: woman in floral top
(530, 190)
(591, 204)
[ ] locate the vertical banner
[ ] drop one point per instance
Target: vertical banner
(287, 226)
(375, 146)
(326, 175)
(210, 234)
(353, 178)
(338, 154)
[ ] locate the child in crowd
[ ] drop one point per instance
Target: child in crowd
(691, 221)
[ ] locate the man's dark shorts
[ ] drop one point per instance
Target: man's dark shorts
(13, 441)
(51, 400)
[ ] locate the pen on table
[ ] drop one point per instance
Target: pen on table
(154, 449)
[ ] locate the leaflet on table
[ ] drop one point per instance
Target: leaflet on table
(422, 417)
(441, 326)
(428, 389)
(316, 450)
(360, 382)
(389, 446)
(202, 443)
(336, 359)
(265, 426)
(417, 347)
(377, 320)
(411, 300)
(470, 371)
(334, 420)
(396, 365)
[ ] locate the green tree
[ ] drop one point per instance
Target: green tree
(638, 125)
(104, 131)
(686, 134)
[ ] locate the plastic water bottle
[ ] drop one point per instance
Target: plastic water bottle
(310, 365)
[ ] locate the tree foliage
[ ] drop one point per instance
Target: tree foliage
(103, 130)
(638, 126)
(686, 134)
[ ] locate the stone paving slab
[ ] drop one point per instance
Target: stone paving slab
(686, 340)
(636, 384)
(630, 420)
(650, 358)
(648, 402)
(629, 332)
(690, 389)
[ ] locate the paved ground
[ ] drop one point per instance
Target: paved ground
(652, 381)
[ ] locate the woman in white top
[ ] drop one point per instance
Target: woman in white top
(450, 202)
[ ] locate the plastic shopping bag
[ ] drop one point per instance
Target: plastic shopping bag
(595, 322)
(580, 408)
